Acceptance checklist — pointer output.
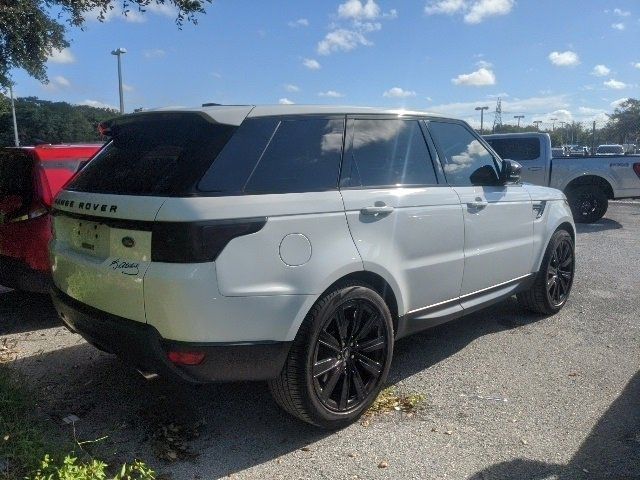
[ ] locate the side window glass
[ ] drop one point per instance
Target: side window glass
(229, 172)
(302, 156)
(388, 153)
(464, 159)
(517, 148)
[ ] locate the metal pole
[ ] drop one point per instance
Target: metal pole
(481, 121)
(120, 83)
(13, 114)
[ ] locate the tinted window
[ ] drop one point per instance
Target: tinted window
(15, 173)
(464, 159)
(156, 154)
(229, 173)
(302, 156)
(516, 148)
(388, 153)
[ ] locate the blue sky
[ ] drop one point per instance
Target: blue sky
(564, 59)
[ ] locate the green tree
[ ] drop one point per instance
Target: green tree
(624, 122)
(51, 122)
(30, 30)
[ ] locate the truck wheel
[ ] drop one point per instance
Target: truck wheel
(553, 282)
(339, 359)
(588, 203)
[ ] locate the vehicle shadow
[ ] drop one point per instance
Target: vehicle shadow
(24, 312)
(238, 425)
(599, 226)
(612, 449)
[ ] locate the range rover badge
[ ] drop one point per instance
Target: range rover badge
(128, 242)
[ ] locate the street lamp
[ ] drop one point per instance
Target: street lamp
(118, 52)
(16, 139)
(482, 109)
(553, 124)
(537, 124)
(519, 117)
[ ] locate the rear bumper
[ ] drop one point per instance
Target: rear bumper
(141, 346)
(17, 274)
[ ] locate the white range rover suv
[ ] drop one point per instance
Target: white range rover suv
(295, 244)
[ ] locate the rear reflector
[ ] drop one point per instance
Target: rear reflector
(196, 242)
(636, 168)
(186, 358)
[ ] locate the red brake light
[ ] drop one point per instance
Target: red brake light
(186, 358)
(636, 168)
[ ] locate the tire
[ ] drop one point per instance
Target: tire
(554, 280)
(588, 203)
(339, 360)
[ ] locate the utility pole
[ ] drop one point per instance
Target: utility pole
(16, 139)
(562, 124)
(482, 109)
(553, 124)
(118, 52)
(537, 124)
(593, 138)
(519, 117)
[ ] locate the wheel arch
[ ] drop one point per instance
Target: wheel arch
(591, 180)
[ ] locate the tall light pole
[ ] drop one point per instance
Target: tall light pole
(562, 124)
(118, 52)
(16, 139)
(537, 124)
(519, 117)
(553, 124)
(482, 109)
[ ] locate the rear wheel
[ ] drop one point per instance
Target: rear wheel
(588, 203)
(554, 280)
(339, 360)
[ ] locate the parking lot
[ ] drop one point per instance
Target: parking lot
(507, 394)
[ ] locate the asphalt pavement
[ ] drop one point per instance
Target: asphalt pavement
(507, 394)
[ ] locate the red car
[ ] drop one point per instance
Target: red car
(29, 179)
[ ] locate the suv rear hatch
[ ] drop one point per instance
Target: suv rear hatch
(104, 217)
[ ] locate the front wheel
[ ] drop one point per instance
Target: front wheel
(554, 280)
(339, 359)
(588, 203)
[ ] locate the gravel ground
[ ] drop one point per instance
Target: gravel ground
(507, 394)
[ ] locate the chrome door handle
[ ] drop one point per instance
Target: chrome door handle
(376, 210)
(477, 204)
(534, 169)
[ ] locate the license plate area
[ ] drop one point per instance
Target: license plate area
(91, 238)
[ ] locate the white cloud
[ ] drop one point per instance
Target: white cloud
(301, 22)
(564, 59)
(355, 9)
(483, 64)
(621, 13)
(475, 11)
(636, 65)
(97, 104)
(341, 40)
(615, 84)
(446, 7)
(600, 71)
(154, 53)
(164, 9)
(311, 64)
(285, 101)
(331, 94)
(127, 88)
(617, 103)
(617, 26)
(62, 81)
(56, 83)
(61, 56)
(488, 8)
(291, 88)
(397, 92)
(480, 78)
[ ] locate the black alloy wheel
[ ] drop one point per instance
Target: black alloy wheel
(560, 273)
(349, 355)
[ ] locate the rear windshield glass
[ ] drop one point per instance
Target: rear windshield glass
(15, 173)
(158, 154)
(610, 149)
(516, 148)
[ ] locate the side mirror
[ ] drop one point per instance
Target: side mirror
(510, 172)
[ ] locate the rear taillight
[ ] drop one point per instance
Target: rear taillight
(186, 358)
(196, 242)
(636, 168)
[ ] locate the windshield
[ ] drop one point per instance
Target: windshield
(154, 154)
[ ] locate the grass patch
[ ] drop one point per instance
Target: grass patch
(389, 400)
(27, 453)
